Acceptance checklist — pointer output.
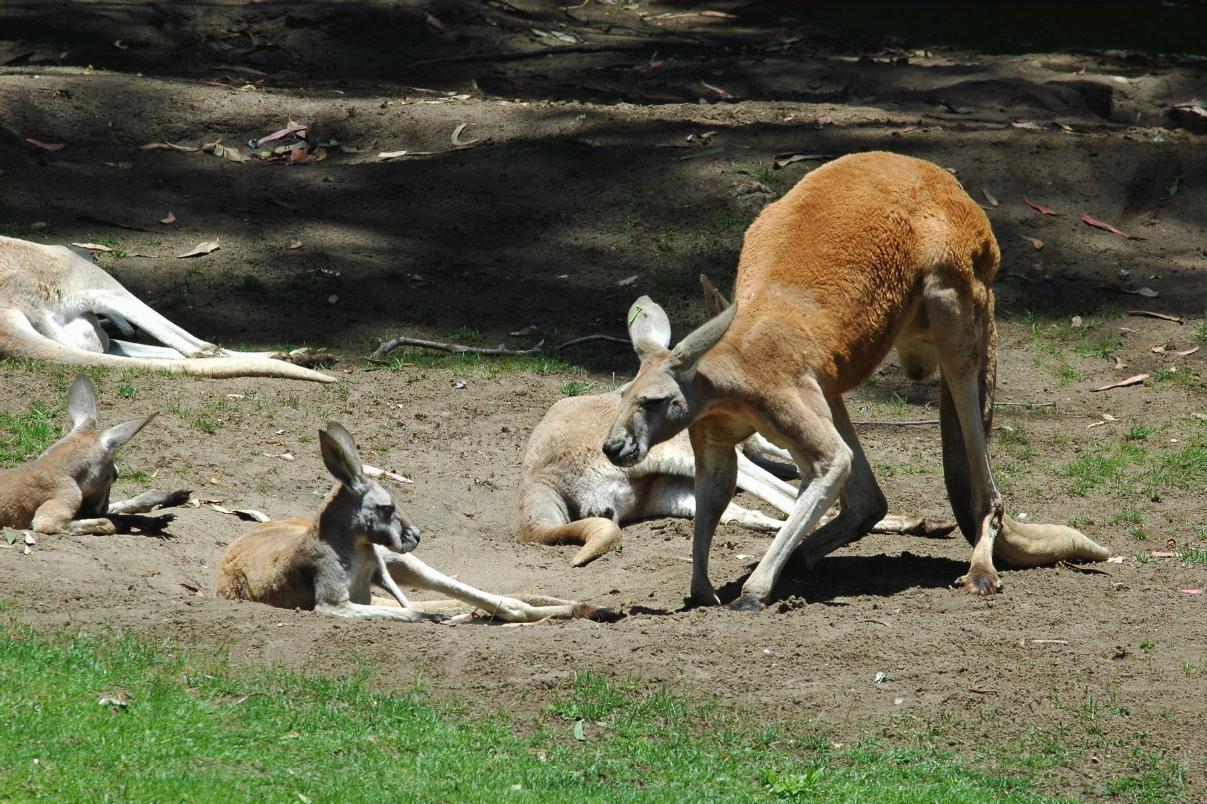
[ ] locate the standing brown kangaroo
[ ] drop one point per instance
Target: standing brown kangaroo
(868, 252)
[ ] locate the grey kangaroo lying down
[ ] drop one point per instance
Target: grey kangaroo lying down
(570, 493)
(51, 304)
(358, 537)
(66, 489)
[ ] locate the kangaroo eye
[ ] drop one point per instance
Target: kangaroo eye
(651, 401)
(385, 510)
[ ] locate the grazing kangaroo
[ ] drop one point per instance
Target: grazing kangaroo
(66, 489)
(868, 252)
(358, 536)
(571, 494)
(51, 301)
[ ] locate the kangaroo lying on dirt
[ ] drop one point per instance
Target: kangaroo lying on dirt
(358, 536)
(66, 489)
(571, 494)
(51, 299)
(869, 251)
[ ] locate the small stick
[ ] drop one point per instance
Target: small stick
(1151, 314)
(588, 338)
(456, 348)
(388, 346)
(917, 423)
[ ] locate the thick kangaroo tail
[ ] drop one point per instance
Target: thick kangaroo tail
(1027, 545)
(544, 519)
(18, 338)
(1017, 544)
(597, 536)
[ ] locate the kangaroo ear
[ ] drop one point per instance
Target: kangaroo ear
(714, 301)
(340, 456)
(81, 403)
(649, 328)
(688, 351)
(116, 436)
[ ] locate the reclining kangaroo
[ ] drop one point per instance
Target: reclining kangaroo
(66, 489)
(867, 252)
(571, 494)
(50, 302)
(359, 536)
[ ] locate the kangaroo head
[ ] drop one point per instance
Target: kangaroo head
(663, 398)
(366, 510)
(87, 454)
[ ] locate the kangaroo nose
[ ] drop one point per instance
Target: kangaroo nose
(612, 447)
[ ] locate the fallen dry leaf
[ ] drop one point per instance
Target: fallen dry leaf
(46, 146)
(1034, 241)
(167, 146)
(169, 218)
(1187, 352)
(1029, 125)
(1134, 380)
(457, 141)
(1041, 209)
(92, 246)
(247, 514)
(1106, 227)
(787, 158)
(391, 154)
(225, 151)
(989, 197)
(200, 249)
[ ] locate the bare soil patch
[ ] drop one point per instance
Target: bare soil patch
(629, 144)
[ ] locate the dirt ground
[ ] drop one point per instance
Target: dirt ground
(600, 143)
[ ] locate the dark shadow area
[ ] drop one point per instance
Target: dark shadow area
(563, 211)
(852, 576)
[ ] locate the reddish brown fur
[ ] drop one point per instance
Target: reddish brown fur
(273, 563)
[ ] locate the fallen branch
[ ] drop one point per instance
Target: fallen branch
(456, 348)
(589, 338)
(1151, 314)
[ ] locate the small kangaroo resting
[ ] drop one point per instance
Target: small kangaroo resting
(868, 252)
(571, 494)
(51, 303)
(358, 537)
(66, 489)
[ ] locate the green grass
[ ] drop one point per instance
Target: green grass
(196, 731)
(1136, 465)
(27, 231)
(25, 434)
(575, 388)
(1180, 377)
(482, 366)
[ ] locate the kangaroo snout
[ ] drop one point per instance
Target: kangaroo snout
(621, 449)
(409, 539)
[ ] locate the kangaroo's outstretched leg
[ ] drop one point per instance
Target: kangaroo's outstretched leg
(409, 570)
(135, 311)
(862, 503)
